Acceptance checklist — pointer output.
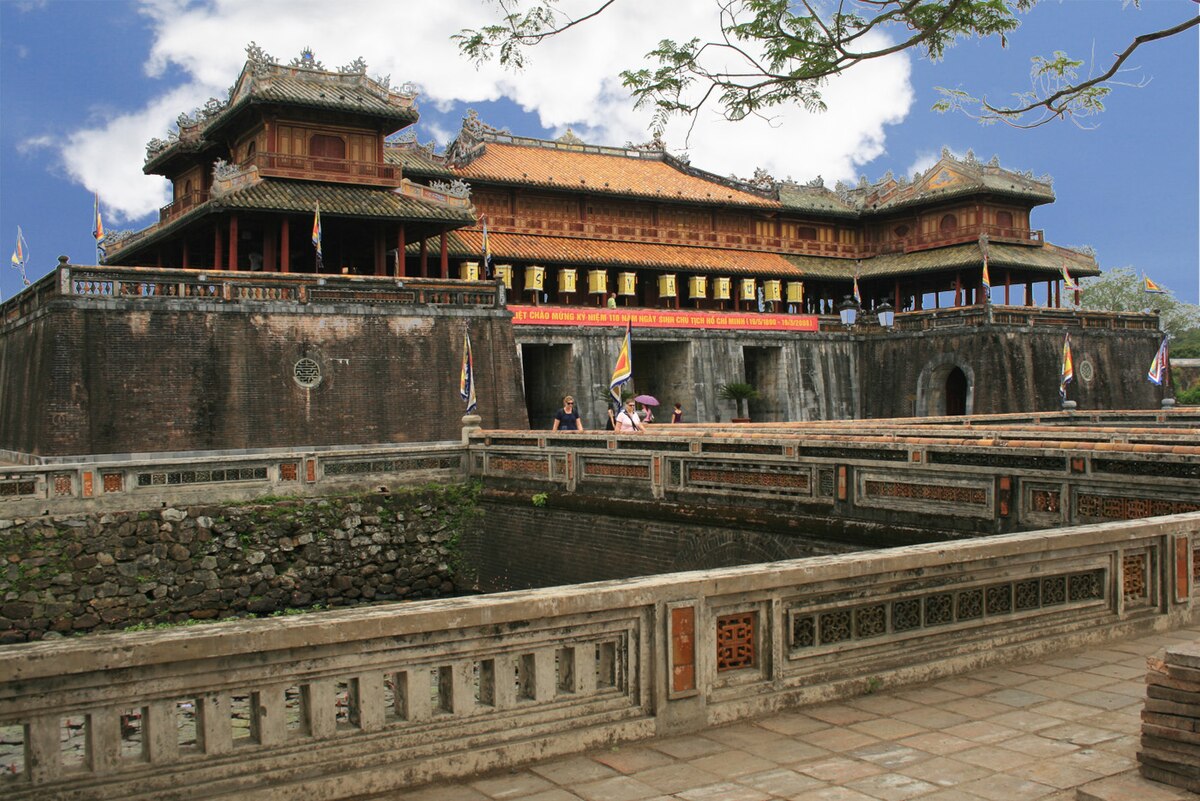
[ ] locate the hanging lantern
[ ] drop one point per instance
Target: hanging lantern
(469, 271)
(795, 292)
(666, 286)
(773, 290)
(597, 282)
(505, 273)
(698, 287)
(566, 279)
(626, 284)
(721, 287)
(535, 278)
(747, 289)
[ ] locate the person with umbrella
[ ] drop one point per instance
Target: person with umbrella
(647, 402)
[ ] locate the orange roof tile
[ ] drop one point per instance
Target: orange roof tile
(594, 172)
(601, 252)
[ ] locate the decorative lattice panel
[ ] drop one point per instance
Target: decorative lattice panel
(735, 641)
(1134, 570)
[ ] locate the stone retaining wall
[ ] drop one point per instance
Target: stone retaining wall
(92, 572)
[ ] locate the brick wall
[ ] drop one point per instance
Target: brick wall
(520, 545)
(90, 376)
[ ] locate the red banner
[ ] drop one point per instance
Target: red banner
(662, 318)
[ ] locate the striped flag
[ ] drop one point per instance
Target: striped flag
(316, 236)
(466, 381)
(623, 370)
(1068, 368)
(20, 256)
(98, 231)
(1158, 367)
(488, 267)
(1068, 281)
(1151, 287)
(986, 280)
(857, 295)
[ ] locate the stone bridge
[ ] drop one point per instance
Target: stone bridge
(867, 483)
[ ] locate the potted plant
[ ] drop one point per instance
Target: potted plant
(738, 392)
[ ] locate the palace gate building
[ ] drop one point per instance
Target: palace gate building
(219, 328)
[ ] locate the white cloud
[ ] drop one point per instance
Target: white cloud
(571, 80)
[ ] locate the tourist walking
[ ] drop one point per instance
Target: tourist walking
(628, 421)
(566, 418)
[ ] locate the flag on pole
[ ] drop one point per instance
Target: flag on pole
(98, 231)
(488, 267)
(1151, 287)
(1068, 368)
(316, 236)
(1068, 281)
(986, 279)
(857, 295)
(1158, 367)
(466, 381)
(623, 370)
(20, 256)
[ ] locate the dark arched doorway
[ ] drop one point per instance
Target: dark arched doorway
(956, 392)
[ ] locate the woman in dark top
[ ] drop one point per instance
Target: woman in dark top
(566, 418)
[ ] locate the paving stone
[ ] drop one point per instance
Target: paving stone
(839, 770)
(1055, 773)
(1130, 786)
(888, 728)
(1100, 762)
(438, 792)
(937, 743)
(723, 792)
(732, 763)
(927, 696)
(1008, 788)
(557, 794)
(1082, 678)
(1118, 671)
(945, 771)
(518, 785)
(791, 723)
(1079, 734)
(1065, 710)
(1104, 700)
(952, 794)
(964, 685)
(1037, 669)
(974, 708)
(1041, 747)
(1076, 662)
(1015, 697)
(838, 739)
(619, 788)
(833, 794)
(1024, 720)
(935, 717)
(781, 781)
(573, 770)
(892, 786)
(1001, 677)
(688, 747)
(994, 758)
(982, 731)
(673, 778)
(839, 714)
(889, 755)
(631, 759)
(746, 736)
(882, 704)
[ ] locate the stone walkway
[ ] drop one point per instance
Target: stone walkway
(1031, 731)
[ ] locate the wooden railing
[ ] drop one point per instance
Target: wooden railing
(181, 205)
(320, 168)
(955, 236)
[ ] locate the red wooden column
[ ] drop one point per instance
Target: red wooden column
(285, 249)
(186, 261)
(233, 242)
(445, 256)
(380, 251)
(218, 247)
(896, 305)
(1057, 297)
(1028, 293)
(400, 245)
(424, 258)
(1007, 285)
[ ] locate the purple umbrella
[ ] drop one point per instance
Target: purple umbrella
(647, 400)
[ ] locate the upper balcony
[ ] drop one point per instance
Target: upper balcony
(323, 168)
(675, 235)
(955, 236)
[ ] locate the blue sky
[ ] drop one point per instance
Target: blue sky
(85, 83)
